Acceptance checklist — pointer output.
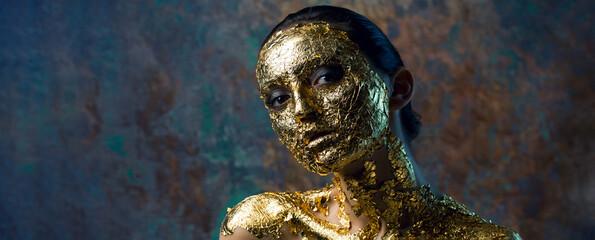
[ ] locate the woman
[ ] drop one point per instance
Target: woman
(331, 81)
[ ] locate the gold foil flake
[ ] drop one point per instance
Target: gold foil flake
(370, 167)
(402, 170)
(341, 214)
(318, 200)
(261, 215)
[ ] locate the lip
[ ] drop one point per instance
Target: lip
(316, 137)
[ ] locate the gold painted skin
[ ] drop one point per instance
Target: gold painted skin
(354, 109)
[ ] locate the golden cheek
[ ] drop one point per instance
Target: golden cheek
(284, 122)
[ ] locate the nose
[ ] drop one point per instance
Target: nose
(304, 108)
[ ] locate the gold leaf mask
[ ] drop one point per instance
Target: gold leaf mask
(326, 103)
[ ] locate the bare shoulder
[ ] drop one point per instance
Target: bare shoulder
(465, 224)
(490, 230)
(258, 216)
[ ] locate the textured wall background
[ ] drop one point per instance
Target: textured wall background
(141, 120)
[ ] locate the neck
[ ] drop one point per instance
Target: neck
(397, 127)
(380, 185)
(389, 163)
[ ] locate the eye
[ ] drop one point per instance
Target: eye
(327, 75)
(278, 98)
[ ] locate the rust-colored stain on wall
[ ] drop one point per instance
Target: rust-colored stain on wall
(141, 120)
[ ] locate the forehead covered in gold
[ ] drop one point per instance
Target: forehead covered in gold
(314, 43)
(351, 113)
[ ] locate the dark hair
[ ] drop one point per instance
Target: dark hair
(370, 39)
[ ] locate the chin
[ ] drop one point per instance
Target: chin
(321, 165)
(321, 169)
(330, 160)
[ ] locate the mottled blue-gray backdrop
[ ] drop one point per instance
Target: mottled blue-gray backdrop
(141, 119)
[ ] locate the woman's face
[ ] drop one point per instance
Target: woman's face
(326, 103)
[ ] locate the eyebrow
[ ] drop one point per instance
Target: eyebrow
(271, 83)
(303, 77)
(298, 71)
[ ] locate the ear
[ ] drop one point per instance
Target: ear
(402, 88)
